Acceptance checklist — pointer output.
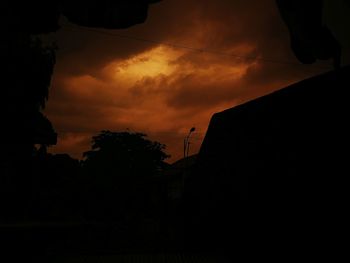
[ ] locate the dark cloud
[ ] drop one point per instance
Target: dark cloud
(107, 82)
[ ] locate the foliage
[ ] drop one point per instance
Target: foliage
(120, 176)
(125, 154)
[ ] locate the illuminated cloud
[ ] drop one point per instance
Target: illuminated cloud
(107, 82)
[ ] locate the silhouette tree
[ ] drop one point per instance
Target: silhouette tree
(121, 176)
(125, 154)
(27, 67)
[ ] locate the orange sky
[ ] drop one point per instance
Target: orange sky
(105, 82)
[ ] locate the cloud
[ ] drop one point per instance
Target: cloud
(107, 82)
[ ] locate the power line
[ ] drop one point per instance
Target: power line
(194, 49)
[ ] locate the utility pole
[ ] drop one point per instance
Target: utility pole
(187, 142)
(186, 152)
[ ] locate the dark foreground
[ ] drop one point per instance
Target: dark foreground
(270, 181)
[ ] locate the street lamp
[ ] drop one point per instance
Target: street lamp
(187, 142)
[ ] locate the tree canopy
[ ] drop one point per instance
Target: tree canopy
(125, 154)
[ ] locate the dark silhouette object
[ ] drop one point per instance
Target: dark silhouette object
(187, 142)
(310, 37)
(125, 154)
(123, 186)
(106, 13)
(272, 174)
(36, 17)
(27, 66)
(123, 177)
(43, 132)
(27, 74)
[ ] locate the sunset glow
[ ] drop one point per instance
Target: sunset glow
(152, 63)
(111, 83)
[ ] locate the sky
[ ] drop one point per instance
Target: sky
(189, 60)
